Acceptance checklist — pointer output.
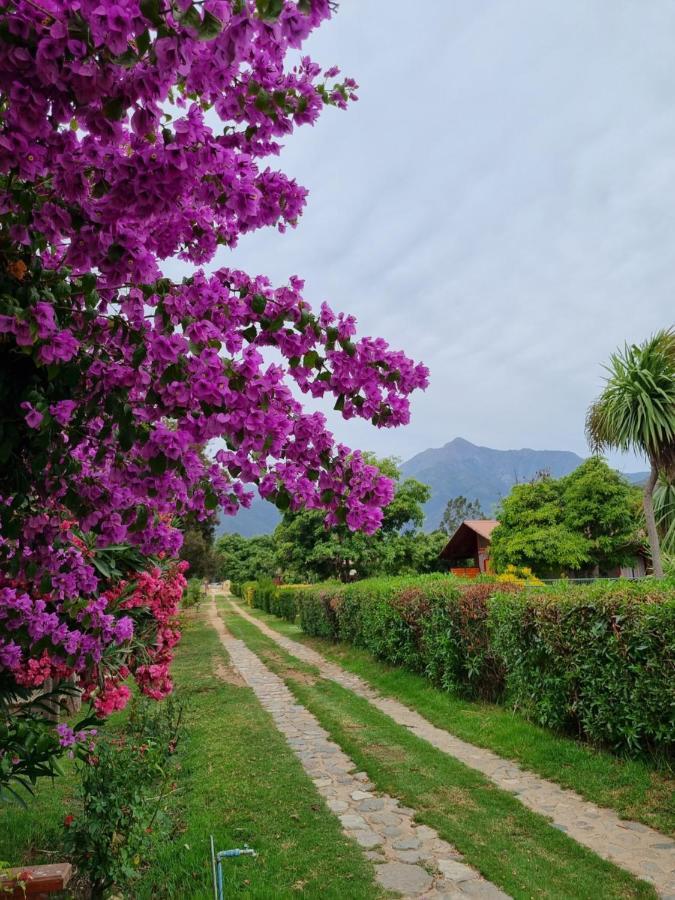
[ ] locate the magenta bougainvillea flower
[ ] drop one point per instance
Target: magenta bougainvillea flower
(131, 133)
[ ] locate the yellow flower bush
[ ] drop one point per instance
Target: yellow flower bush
(518, 575)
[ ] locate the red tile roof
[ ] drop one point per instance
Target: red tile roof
(483, 527)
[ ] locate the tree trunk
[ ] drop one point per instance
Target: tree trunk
(651, 522)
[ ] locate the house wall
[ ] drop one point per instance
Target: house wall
(637, 569)
(483, 553)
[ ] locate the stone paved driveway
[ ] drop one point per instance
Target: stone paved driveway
(635, 847)
(410, 859)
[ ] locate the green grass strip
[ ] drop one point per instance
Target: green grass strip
(239, 781)
(634, 788)
(513, 847)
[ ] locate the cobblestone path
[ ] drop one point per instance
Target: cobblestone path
(633, 846)
(408, 858)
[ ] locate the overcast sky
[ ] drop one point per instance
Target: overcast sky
(500, 204)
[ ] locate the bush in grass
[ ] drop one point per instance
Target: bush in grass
(118, 813)
(194, 592)
(248, 592)
(597, 660)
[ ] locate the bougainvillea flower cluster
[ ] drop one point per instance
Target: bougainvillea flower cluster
(134, 132)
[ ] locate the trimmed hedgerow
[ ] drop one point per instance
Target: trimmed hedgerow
(595, 660)
(280, 600)
(599, 660)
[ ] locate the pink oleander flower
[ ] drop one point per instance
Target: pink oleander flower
(112, 697)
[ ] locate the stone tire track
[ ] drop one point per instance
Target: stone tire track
(408, 858)
(640, 850)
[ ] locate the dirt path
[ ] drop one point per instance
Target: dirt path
(646, 853)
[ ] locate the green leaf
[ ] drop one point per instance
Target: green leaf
(269, 9)
(139, 355)
(190, 18)
(276, 324)
(114, 108)
(102, 566)
(210, 27)
(304, 6)
(141, 518)
(126, 59)
(152, 10)
(115, 252)
(88, 283)
(283, 500)
(340, 403)
(311, 359)
(258, 303)
(158, 464)
(143, 42)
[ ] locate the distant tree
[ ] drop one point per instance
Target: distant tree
(307, 550)
(586, 520)
(412, 553)
(636, 411)
(245, 559)
(457, 510)
(599, 504)
(198, 549)
(531, 531)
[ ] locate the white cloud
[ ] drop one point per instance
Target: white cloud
(499, 203)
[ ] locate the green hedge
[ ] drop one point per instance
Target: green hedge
(597, 661)
(280, 600)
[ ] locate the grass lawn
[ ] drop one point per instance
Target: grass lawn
(239, 781)
(637, 789)
(511, 846)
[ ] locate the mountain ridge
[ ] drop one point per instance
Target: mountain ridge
(457, 468)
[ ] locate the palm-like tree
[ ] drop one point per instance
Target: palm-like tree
(636, 411)
(664, 512)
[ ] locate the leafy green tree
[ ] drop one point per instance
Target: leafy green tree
(245, 559)
(198, 549)
(636, 411)
(200, 554)
(531, 531)
(457, 510)
(599, 504)
(584, 521)
(308, 551)
(412, 553)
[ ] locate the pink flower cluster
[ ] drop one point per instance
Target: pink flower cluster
(131, 133)
(157, 595)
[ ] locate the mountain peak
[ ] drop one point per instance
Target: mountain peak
(480, 473)
(457, 468)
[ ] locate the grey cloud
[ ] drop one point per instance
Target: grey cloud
(499, 203)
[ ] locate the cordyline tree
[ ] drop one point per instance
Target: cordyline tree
(133, 132)
(636, 411)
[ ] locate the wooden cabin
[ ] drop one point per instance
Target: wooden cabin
(467, 553)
